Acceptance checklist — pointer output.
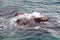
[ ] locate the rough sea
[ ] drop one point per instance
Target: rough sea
(49, 8)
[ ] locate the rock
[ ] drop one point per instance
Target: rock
(42, 19)
(22, 21)
(18, 14)
(28, 20)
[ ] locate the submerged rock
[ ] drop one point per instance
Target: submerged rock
(28, 20)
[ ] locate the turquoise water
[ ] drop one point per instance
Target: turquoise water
(49, 8)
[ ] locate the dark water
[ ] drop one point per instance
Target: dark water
(49, 8)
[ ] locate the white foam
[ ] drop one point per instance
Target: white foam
(25, 15)
(37, 27)
(58, 21)
(28, 15)
(36, 14)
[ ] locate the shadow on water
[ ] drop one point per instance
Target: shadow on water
(31, 34)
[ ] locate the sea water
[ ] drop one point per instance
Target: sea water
(45, 31)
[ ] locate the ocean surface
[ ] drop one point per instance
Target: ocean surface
(49, 8)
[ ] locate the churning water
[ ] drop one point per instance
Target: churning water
(47, 31)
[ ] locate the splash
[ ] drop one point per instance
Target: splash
(26, 18)
(9, 27)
